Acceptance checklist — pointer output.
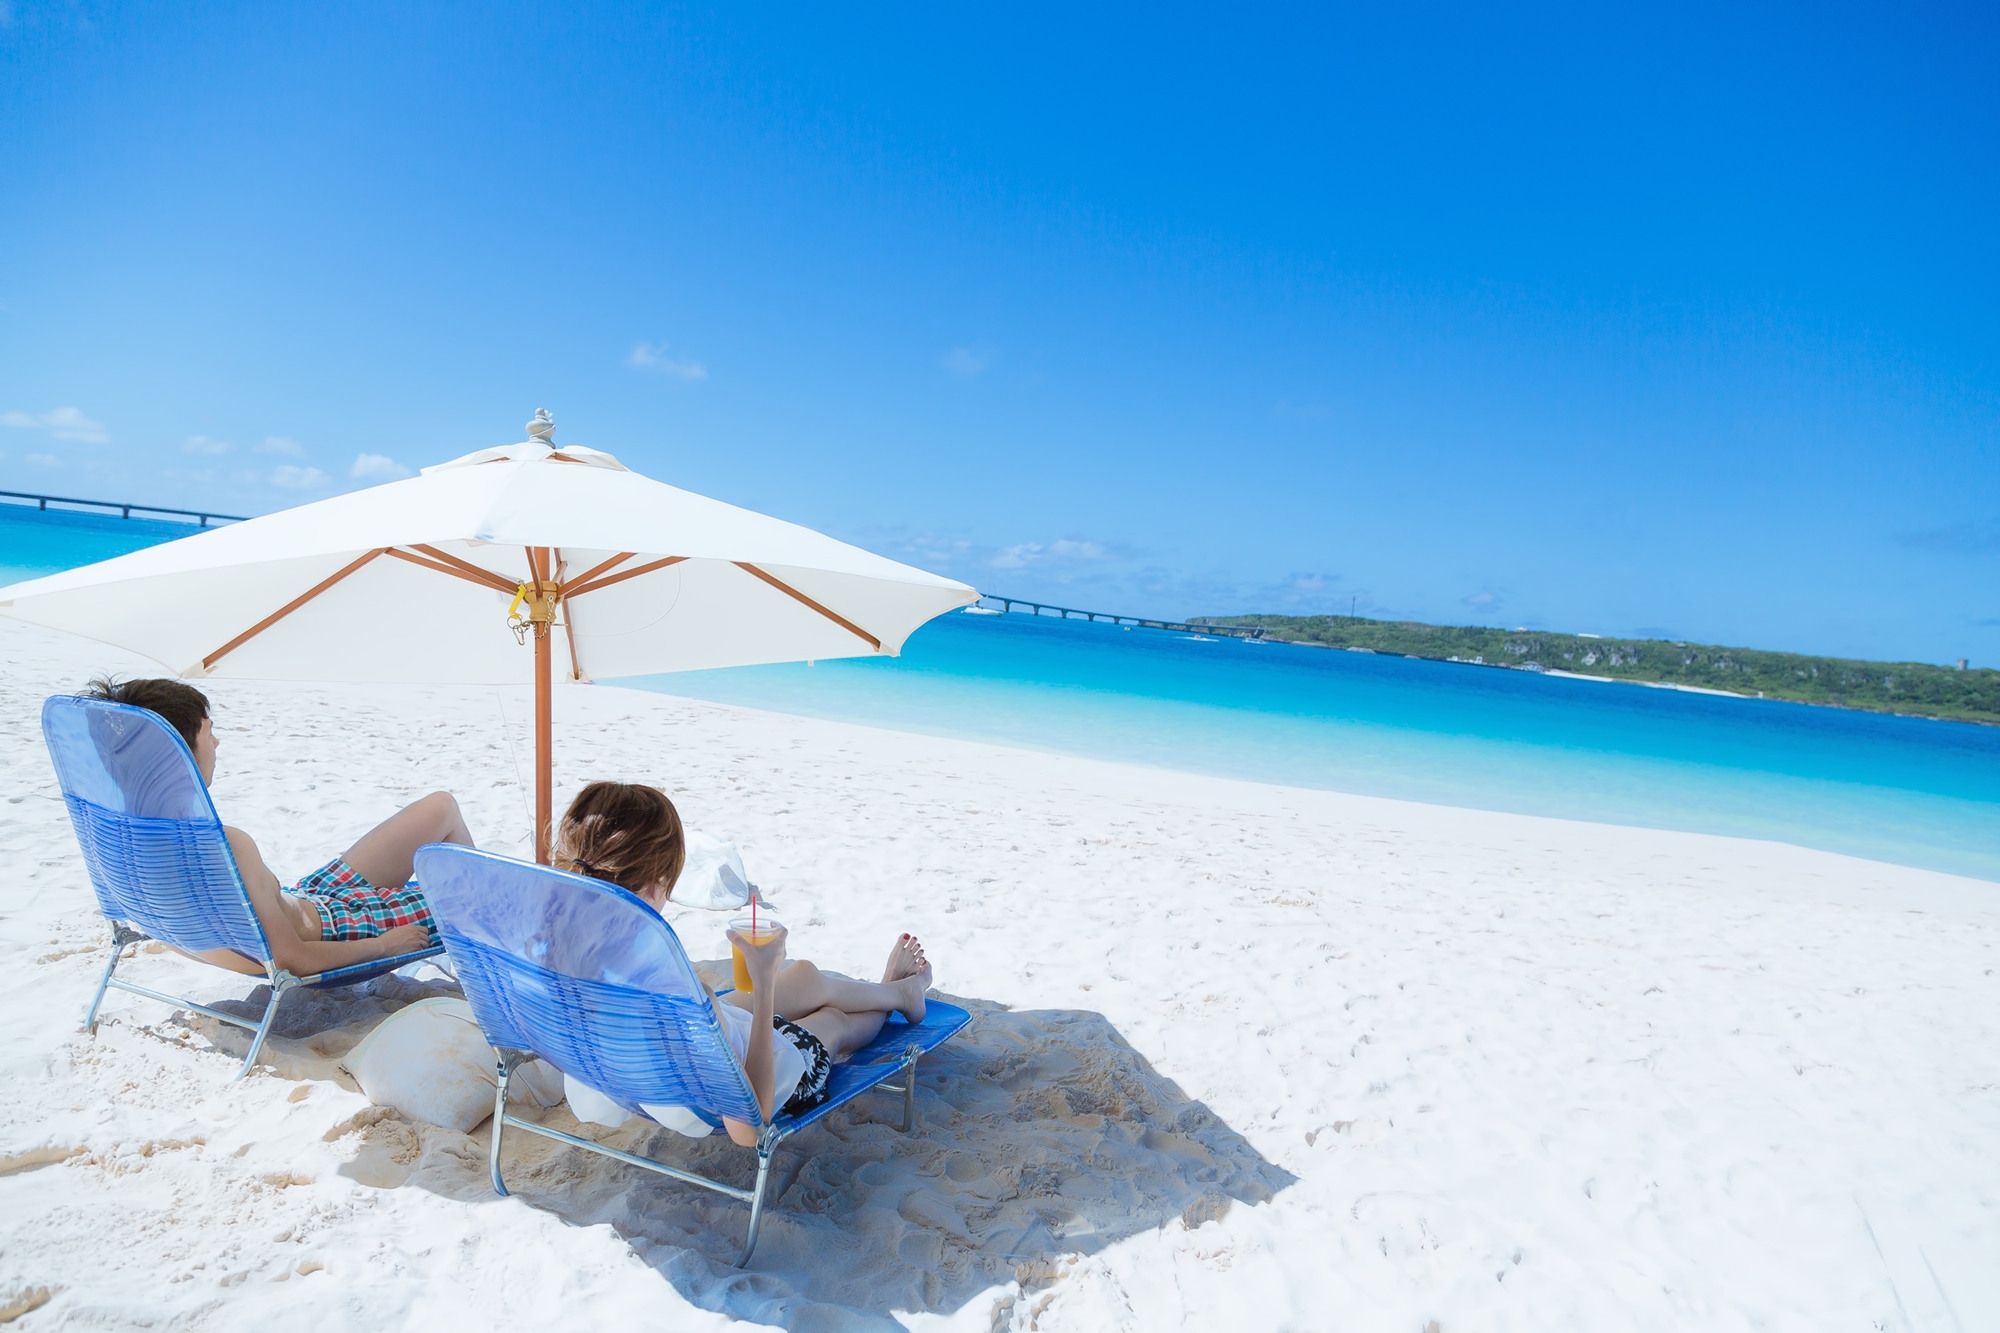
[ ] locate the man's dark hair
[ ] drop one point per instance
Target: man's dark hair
(182, 705)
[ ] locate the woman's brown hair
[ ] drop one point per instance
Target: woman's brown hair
(623, 832)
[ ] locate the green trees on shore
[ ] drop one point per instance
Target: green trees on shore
(1888, 687)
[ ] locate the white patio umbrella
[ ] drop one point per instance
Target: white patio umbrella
(468, 573)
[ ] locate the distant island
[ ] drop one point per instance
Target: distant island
(1915, 688)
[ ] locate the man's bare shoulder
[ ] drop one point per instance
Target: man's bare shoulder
(249, 860)
(240, 842)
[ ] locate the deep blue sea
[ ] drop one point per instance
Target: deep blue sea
(1894, 789)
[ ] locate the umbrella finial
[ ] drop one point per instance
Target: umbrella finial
(543, 428)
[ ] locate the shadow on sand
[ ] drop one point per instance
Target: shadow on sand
(1040, 1135)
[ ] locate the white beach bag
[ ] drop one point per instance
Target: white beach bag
(712, 876)
(431, 1062)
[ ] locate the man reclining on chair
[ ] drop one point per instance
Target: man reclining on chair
(360, 906)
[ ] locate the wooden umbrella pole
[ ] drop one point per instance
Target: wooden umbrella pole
(538, 563)
(544, 745)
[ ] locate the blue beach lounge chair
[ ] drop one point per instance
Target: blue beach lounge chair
(157, 854)
(586, 976)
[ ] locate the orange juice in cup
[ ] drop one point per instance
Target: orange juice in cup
(758, 931)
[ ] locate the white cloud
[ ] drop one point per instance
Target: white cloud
(201, 444)
(1060, 558)
(62, 423)
(281, 444)
(1114, 576)
(929, 550)
(297, 478)
(378, 467)
(45, 460)
(653, 359)
(1023, 554)
(965, 362)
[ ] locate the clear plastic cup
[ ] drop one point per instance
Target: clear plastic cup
(765, 927)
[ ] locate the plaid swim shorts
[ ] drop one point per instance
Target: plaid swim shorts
(350, 908)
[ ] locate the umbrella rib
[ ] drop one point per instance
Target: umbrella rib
(451, 564)
(569, 631)
(621, 576)
(595, 570)
(208, 663)
(804, 600)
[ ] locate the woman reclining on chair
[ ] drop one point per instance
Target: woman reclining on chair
(358, 907)
(631, 836)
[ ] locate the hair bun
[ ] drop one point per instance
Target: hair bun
(623, 833)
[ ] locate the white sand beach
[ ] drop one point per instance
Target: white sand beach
(1242, 1057)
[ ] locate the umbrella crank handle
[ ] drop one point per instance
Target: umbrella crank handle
(541, 599)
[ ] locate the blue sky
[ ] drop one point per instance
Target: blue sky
(1677, 321)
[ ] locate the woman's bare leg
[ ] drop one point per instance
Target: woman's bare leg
(803, 989)
(385, 853)
(843, 1033)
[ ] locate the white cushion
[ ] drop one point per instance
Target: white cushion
(430, 1061)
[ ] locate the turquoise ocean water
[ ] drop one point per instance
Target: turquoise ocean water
(34, 543)
(1891, 788)
(1894, 789)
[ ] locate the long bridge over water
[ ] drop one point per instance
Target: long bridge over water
(1140, 622)
(62, 502)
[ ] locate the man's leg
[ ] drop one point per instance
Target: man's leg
(385, 853)
(295, 947)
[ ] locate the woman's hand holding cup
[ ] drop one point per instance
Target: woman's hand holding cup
(759, 953)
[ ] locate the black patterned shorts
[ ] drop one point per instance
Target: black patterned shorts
(812, 1089)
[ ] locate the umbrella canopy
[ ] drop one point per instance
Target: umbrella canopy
(501, 567)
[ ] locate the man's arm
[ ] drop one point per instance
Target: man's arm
(298, 956)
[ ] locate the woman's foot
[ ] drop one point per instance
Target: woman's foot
(906, 959)
(909, 974)
(912, 988)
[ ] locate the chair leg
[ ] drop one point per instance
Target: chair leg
(910, 1085)
(766, 1145)
(509, 1061)
(120, 937)
(281, 981)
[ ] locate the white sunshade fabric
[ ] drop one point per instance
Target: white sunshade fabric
(395, 620)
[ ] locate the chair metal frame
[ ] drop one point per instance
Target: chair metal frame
(108, 838)
(599, 982)
(768, 1138)
(281, 981)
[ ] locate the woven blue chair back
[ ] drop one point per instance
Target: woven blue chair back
(586, 976)
(154, 848)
